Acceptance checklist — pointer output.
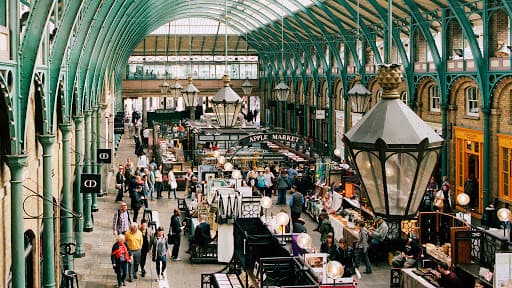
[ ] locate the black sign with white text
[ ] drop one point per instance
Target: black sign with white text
(90, 183)
(104, 156)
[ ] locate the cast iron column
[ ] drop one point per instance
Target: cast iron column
(16, 164)
(77, 195)
(92, 155)
(48, 215)
(87, 163)
(66, 237)
(99, 166)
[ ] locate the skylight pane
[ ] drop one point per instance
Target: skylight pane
(194, 26)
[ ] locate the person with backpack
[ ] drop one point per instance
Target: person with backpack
(122, 220)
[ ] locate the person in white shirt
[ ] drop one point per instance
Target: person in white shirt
(269, 177)
(143, 161)
(172, 183)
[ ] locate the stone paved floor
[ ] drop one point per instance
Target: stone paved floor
(95, 269)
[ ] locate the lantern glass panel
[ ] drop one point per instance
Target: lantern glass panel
(400, 170)
(227, 114)
(425, 170)
(370, 171)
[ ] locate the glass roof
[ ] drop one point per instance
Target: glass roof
(256, 12)
(194, 26)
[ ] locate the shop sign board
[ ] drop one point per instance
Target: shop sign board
(320, 114)
(104, 156)
(90, 183)
(278, 137)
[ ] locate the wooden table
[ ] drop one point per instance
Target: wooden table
(351, 235)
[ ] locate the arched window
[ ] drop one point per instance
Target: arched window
(471, 96)
(434, 100)
(403, 97)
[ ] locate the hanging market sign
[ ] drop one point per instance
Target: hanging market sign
(279, 137)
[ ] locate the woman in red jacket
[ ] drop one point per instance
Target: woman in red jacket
(120, 257)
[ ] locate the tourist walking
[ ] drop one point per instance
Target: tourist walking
(175, 232)
(122, 221)
(296, 203)
(134, 240)
(362, 248)
(282, 187)
(147, 241)
(158, 181)
(173, 185)
(120, 181)
(120, 257)
(159, 252)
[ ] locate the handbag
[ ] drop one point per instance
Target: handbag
(164, 258)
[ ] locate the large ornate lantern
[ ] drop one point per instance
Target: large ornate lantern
(393, 150)
(190, 94)
(360, 97)
(247, 87)
(282, 91)
(226, 105)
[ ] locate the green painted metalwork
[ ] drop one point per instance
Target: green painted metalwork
(57, 56)
(29, 48)
(16, 164)
(48, 232)
(77, 196)
(76, 47)
(88, 225)
(66, 202)
(92, 162)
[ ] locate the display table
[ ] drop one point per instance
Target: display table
(412, 280)
(221, 280)
(343, 229)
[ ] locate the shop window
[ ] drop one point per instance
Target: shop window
(471, 97)
(506, 162)
(434, 99)
(403, 97)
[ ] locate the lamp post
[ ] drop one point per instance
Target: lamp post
(282, 220)
(304, 241)
(463, 200)
(504, 216)
(393, 150)
(190, 95)
(265, 203)
(237, 175)
(334, 269)
(226, 105)
(360, 97)
(247, 87)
